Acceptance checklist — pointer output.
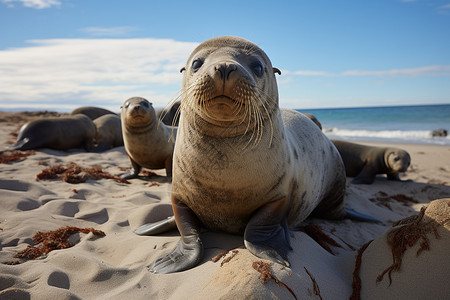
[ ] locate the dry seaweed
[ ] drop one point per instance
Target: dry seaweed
(266, 274)
(315, 285)
(356, 284)
(382, 199)
(14, 155)
(223, 254)
(406, 233)
(317, 234)
(53, 240)
(73, 173)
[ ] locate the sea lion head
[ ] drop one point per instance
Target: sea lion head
(229, 87)
(397, 160)
(138, 112)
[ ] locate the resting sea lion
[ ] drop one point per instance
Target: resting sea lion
(92, 112)
(109, 132)
(242, 165)
(56, 133)
(169, 115)
(147, 143)
(365, 162)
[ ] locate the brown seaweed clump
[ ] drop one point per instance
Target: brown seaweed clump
(14, 155)
(266, 274)
(73, 173)
(223, 254)
(407, 233)
(53, 240)
(317, 234)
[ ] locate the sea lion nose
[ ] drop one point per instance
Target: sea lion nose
(225, 69)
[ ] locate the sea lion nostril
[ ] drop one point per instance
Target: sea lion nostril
(225, 70)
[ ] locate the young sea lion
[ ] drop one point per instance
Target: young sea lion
(147, 143)
(109, 132)
(365, 162)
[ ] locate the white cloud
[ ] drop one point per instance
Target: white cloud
(406, 72)
(109, 32)
(71, 72)
(38, 4)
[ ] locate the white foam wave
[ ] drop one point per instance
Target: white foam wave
(420, 136)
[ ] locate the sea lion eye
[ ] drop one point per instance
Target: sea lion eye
(258, 69)
(197, 64)
(145, 103)
(127, 104)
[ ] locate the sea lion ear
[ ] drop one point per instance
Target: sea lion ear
(182, 69)
(276, 70)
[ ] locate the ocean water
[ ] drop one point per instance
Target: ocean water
(400, 124)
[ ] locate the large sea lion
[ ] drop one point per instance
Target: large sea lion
(92, 112)
(364, 162)
(109, 132)
(148, 143)
(57, 133)
(242, 165)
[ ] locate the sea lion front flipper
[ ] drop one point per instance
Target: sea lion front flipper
(393, 176)
(135, 169)
(157, 227)
(366, 176)
(189, 250)
(267, 236)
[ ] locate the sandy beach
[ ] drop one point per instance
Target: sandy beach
(114, 266)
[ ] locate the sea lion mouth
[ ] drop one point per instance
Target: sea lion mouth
(223, 100)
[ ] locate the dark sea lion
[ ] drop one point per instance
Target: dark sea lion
(57, 133)
(314, 119)
(169, 116)
(92, 112)
(148, 142)
(109, 132)
(242, 165)
(365, 162)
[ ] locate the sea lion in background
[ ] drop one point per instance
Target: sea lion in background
(169, 115)
(365, 162)
(314, 119)
(242, 165)
(92, 112)
(57, 133)
(148, 142)
(109, 132)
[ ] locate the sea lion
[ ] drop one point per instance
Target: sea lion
(314, 119)
(92, 112)
(148, 142)
(169, 116)
(364, 162)
(60, 133)
(242, 165)
(109, 132)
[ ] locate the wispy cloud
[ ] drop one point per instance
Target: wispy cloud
(37, 4)
(76, 71)
(108, 31)
(444, 9)
(425, 71)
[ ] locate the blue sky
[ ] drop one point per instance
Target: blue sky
(61, 54)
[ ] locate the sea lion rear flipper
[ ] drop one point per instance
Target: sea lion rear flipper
(354, 215)
(19, 145)
(157, 227)
(189, 250)
(366, 176)
(267, 236)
